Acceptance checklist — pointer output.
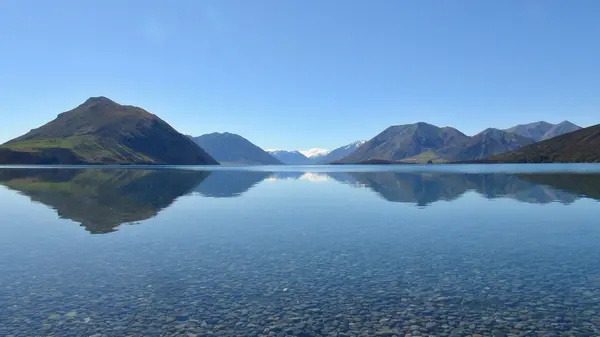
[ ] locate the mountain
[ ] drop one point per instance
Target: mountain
(405, 141)
(100, 131)
(484, 144)
(315, 153)
(561, 129)
(539, 131)
(234, 149)
(581, 146)
(103, 199)
(339, 153)
(290, 157)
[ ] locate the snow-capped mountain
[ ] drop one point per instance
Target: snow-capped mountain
(314, 152)
(340, 152)
(314, 156)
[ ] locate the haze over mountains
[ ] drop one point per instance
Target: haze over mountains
(295, 157)
(234, 149)
(292, 157)
(101, 131)
(542, 130)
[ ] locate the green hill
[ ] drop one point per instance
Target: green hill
(100, 131)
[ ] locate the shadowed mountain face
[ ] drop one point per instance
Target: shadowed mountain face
(484, 144)
(229, 148)
(339, 153)
(581, 146)
(539, 131)
(425, 143)
(405, 141)
(290, 157)
(100, 131)
(103, 199)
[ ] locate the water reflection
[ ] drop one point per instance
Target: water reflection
(426, 188)
(228, 184)
(102, 199)
(317, 254)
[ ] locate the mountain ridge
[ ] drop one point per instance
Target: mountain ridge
(232, 148)
(290, 157)
(399, 142)
(340, 152)
(426, 143)
(581, 146)
(101, 131)
(543, 130)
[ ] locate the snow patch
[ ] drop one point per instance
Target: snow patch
(314, 152)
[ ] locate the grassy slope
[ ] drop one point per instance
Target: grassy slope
(87, 148)
(424, 158)
(100, 131)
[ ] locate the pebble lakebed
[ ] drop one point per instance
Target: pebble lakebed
(350, 289)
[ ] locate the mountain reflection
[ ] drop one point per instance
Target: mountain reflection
(424, 189)
(102, 199)
(228, 184)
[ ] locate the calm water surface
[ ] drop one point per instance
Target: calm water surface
(301, 251)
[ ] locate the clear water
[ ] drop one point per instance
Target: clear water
(301, 251)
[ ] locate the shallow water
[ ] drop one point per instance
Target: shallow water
(301, 251)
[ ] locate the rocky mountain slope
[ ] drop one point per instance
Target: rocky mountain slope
(100, 131)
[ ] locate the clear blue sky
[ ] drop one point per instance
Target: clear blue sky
(298, 74)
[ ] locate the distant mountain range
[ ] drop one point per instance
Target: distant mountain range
(542, 130)
(100, 131)
(484, 144)
(295, 157)
(314, 153)
(339, 153)
(229, 148)
(581, 146)
(290, 157)
(426, 143)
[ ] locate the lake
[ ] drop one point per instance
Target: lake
(301, 251)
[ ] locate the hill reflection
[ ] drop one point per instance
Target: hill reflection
(423, 189)
(228, 184)
(103, 199)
